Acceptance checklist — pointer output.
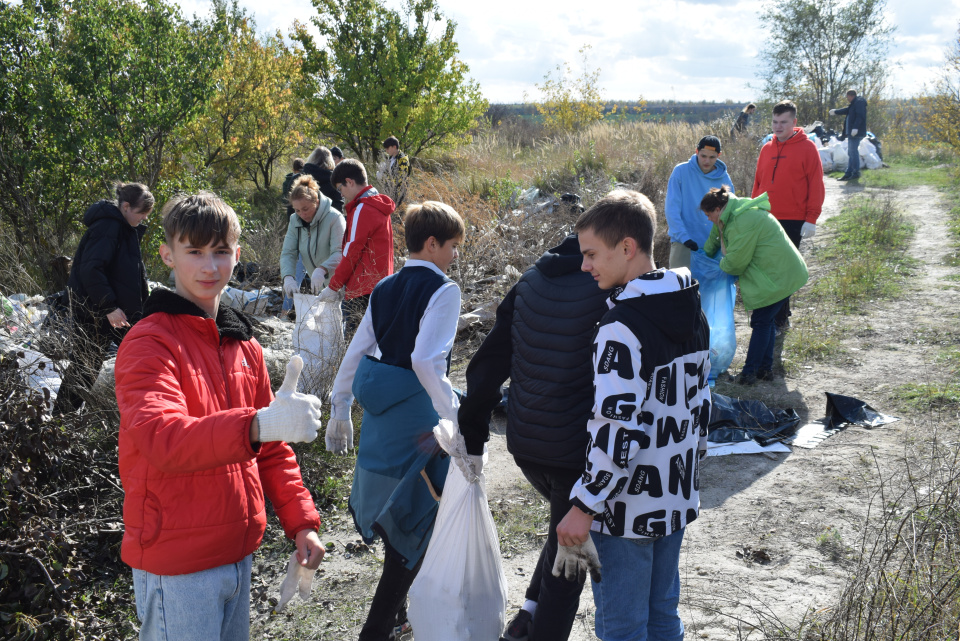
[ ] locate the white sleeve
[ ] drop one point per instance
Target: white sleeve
(615, 437)
(438, 329)
(364, 343)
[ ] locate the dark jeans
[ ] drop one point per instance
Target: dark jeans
(853, 149)
(389, 606)
(353, 310)
(90, 342)
(760, 351)
(792, 228)
(557, 599)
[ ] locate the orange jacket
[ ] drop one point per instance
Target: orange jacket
(791, 174)
(187, 388)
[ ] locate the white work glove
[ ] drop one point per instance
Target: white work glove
(316, 279)
(833, 112)
(339, 435)
(808, 230)
(298, 579)
(853, 133)
(573, 562)
(292, 417)
(290, 286)
(328, 296)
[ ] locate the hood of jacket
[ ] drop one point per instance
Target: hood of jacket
(563, 259)
(716, 173)
(230, 322)
(375, 200)
(736, 206)
(101, 210)
(666, 298)
(798, 138)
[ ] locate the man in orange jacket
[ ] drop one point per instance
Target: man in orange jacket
(789, 171)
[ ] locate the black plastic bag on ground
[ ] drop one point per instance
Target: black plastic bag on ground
(842, 410)
(738, 420)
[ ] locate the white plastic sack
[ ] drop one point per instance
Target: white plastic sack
(460, 593)
(872, 161)
(318, 338)
(826, 159)
(840, 156)
(39, 373)
(867, 147)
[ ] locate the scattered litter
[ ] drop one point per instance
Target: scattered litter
(745, 447)
(841, 411)
(741, 420)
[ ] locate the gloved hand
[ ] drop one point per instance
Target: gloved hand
(339, 435)
(292, 417)
(833, 112)
(328, 295)
(573, 562)
(298, 579)
(808, 230)
(853, 133)
(290, 287)
(691, 245)
(316, 279)
(471, 465)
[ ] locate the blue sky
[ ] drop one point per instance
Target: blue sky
(660, 49)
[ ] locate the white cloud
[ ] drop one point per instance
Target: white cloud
(661, 49)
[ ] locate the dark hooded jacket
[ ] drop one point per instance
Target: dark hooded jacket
(108, 270)
(541, 340)
(322, 176)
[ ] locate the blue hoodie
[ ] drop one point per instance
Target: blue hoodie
(687, 187)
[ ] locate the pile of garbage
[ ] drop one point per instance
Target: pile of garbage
(834, 148)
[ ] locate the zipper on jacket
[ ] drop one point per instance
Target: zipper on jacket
(223, 369)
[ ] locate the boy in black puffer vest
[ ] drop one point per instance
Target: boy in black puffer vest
(541, 340)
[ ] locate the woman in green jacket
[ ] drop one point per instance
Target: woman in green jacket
(315, 234)
(755, 248)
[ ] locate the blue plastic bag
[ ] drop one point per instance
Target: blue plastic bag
(718, 293)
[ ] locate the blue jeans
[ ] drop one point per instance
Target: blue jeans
(201, 606)
(639, 596)
(853, 149)
(760, 351)
(301, 272)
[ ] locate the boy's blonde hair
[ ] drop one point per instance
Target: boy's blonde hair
(430, 218)
(621, 214)
(200, 219)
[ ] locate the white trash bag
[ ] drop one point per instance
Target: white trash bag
(826, 159)
(840, 156)
(318, 338)
(460, 593)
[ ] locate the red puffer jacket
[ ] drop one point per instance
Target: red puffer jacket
(187, 388)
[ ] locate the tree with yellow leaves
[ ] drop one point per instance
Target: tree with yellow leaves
(570, 103)
(253, 118)
(941, 117)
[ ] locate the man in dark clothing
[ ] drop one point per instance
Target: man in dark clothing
(855, 129)
(542, 341)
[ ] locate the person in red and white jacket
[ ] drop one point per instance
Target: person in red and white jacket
(367, 242)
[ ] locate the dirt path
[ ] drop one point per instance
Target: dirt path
(772, 532)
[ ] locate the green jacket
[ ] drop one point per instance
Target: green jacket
(758, 251)
(319, 244)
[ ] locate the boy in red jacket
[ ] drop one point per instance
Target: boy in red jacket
(367, 242)
(202, 440)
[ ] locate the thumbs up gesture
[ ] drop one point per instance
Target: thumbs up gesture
(292, 417)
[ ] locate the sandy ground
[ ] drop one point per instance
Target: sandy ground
(757, 549)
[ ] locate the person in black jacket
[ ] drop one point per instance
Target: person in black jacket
(107, 286)
(855, 129)
(320, 165)
(542, 341)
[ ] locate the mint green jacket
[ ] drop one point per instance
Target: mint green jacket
(319, 244)
(758, 251)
